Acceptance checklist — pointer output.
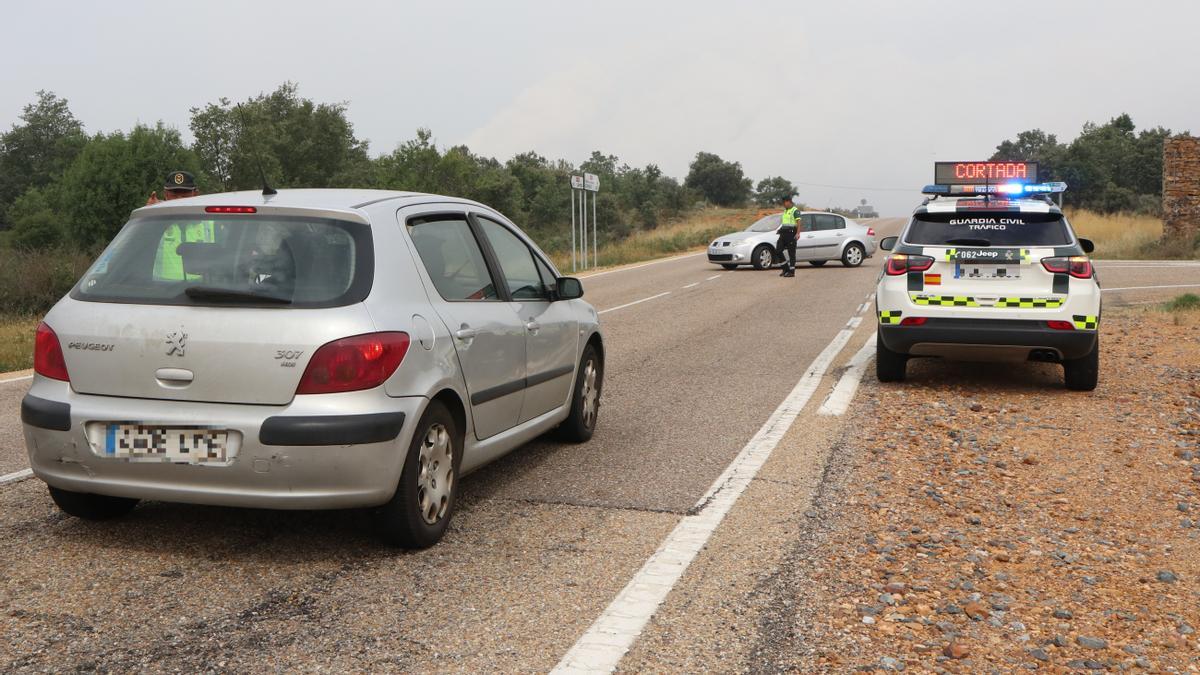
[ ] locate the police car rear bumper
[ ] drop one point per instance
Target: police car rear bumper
(981, 338)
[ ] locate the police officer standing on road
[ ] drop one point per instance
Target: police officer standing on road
(179, 184)
(786, 246)
(168, 264)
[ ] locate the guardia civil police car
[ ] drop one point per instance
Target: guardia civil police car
(989, 269)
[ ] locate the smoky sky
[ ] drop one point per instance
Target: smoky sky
(864, 96)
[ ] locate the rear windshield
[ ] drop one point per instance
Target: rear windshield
(767, 224)
(984, 228)
(239, 260)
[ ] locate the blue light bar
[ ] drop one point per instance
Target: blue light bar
(1006, 189)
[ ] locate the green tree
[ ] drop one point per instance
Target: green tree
(37, 224)
(771, 191)
(293, 141)
(720, 182)
(35, 152)
(113, 175)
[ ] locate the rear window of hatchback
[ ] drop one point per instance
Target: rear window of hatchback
(222, 260)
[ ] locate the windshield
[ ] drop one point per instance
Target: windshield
(767, 224)
(226, 260)
(989, 228)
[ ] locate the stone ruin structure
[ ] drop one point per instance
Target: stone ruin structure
(1181, 188)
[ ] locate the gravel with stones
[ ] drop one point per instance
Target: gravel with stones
(988, 520)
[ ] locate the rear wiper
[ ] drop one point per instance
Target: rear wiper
(232, 295)
(970, 242)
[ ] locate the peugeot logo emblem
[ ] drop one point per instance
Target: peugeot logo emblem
(176, 342)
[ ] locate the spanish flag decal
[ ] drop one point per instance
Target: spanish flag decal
(933, 279)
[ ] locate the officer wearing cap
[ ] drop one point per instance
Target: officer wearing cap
(787, 237)
(168, 264)
(179, 184)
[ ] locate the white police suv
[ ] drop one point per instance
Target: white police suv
(989, 269)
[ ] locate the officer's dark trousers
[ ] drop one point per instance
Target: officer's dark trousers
(787, 242)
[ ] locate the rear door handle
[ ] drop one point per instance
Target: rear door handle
(533, 326)
(465, 333)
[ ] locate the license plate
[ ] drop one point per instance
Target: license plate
(180, 445)
(989, 272)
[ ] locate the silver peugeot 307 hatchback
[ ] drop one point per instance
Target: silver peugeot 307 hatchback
(308, 349)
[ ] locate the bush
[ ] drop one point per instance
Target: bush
(32, 281)
(1185, 302)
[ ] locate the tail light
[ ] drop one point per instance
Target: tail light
(870, 232)
(900, 263)
(230, 209)
(354, 363)
(48, 358)
(1078, 266)
(914, 321)
(1061, 325)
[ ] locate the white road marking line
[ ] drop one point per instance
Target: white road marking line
(16, 476)
(693, 285)
(843, 392)
(604, 644)
(17, 379)
(634, 267)
(853, 322)
(1134, 288)
(715, 276)
(631, 304)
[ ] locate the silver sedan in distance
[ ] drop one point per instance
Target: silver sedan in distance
(309, 349)
(821, 237)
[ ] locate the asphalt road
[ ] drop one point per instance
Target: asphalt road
(698, 358)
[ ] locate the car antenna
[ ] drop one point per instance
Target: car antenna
(267, 189)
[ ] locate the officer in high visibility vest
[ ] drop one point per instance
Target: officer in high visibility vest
(168, 265)
(786, 245)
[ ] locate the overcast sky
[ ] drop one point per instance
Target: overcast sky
(847, 93)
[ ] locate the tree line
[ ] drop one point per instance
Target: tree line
(60, 186)
(1108, 168)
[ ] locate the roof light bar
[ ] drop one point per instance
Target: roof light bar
(1006, 188)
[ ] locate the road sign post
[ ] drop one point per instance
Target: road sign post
(588, 182)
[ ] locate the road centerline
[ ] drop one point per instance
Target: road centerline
(635, 302)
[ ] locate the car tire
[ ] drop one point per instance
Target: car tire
(419, 512)
(890, 366)
(763, 256)
(817, 263)
(1083, 373)
(854, 254)
(585, 399)
(728, 266)
(91, 506)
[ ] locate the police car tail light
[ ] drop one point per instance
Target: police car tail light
(354, 363)
(1061, 325)
(48, 358)
(913, 321)
(230, 209)
(1078, 266)
(901, 263)
(870, 232)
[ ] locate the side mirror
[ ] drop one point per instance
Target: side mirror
(1087, 245)
(888, 243)
(568, 288)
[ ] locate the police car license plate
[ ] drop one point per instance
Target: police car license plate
(181, 445)
(989, 272)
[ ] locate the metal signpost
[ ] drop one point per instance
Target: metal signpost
(584, 184)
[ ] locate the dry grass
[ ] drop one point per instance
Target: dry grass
(687, 234)
(16, 342)
(1120, 236)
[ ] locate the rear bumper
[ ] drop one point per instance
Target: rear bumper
(319, 452)
(983, 338)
